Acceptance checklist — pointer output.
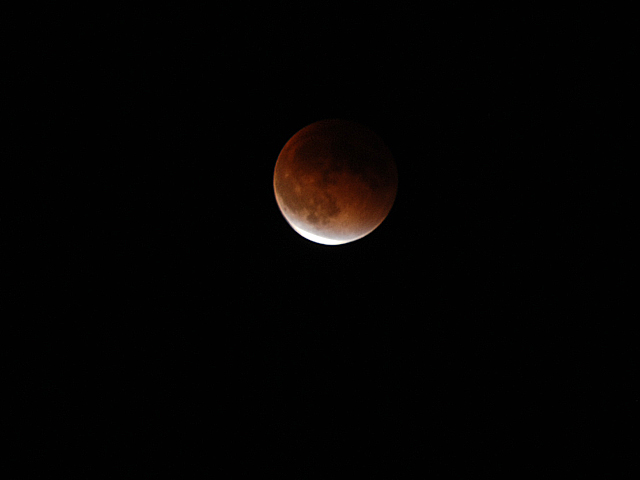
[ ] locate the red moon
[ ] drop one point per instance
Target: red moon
(335, 181)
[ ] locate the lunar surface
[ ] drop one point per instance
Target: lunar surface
(335, 181)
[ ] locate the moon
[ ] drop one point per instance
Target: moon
(335, 181)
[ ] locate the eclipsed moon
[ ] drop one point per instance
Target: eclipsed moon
(335, 181)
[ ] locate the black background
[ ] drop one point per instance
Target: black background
(168, 321)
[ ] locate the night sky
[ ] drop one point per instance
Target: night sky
(168, 320)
